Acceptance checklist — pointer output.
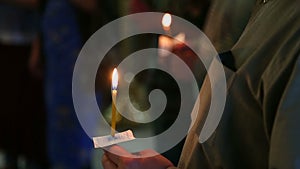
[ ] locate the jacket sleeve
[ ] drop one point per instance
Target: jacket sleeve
(285, 136)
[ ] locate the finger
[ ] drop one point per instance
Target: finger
(148, 153)
(107, 163)
(115, 153)
(158, 158)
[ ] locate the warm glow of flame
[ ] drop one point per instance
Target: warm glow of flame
(114, 81)
(166, 21)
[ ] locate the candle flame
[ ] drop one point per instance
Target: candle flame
(166, 21)
(115, 79)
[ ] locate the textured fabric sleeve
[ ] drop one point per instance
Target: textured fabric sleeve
(285, 137)
(226, 21)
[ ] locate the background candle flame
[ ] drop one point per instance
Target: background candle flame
(166, 21)
(115, 79)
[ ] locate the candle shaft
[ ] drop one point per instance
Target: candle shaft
(113, 113)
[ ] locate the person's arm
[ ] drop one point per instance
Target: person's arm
(35, 60)
(285, 139)
(147, 159)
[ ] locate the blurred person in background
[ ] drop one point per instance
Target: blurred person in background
(66, 25)
(22, 117)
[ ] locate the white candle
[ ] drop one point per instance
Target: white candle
(165, 42)
(166, 21)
